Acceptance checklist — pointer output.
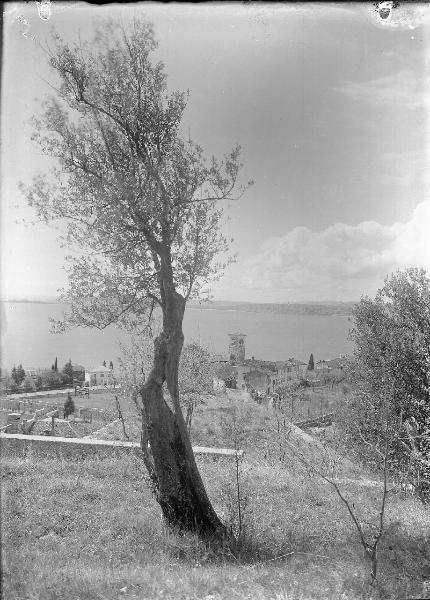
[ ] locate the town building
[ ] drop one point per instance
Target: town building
(335, 365)
(338, 363)
(262, 376)
(31, 372)
(100, 376)
(218, 359)
(291, 369)
(322, 365)
(260, 380)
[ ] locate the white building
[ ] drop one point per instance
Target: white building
(322, 365)
(100, 376)
(31, 372)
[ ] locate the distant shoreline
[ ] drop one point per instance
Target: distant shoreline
(329, 308)
(24, 301)
(288, 308)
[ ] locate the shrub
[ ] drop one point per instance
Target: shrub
(392, 358)
(69, 406)
(27, 385)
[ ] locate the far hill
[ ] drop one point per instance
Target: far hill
(287, 308)
(291, 308)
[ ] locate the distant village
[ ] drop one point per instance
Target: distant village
(256, 376)
(263, 376)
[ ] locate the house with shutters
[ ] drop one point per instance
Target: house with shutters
(322, 365)
(335, 365)
(100, 376)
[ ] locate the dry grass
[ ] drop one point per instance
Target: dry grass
(101, 399)
(91, 530)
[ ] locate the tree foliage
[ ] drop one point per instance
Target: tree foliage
(195, 367)
(27, 384)
(69, 406)
(392, 357)
(226, 373)
(127, 186)
(196, 375)
(53, 379)
(68, 371)
(18, 374)
(195, 370)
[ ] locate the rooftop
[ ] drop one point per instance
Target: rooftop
(260, 364)
(337, 363)
(290, 362)
(218, 358)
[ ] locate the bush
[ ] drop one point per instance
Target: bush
(27, 385)
(54, 380)
(392, 366)
(69, 406)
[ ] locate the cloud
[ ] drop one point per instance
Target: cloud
(341, 262)
(402, 89)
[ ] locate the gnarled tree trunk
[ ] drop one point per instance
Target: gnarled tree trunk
(165, 442)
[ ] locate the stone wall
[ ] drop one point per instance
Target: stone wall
(24, 445)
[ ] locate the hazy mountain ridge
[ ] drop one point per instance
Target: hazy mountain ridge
(30, 301)
(291, 308)
(295, 308)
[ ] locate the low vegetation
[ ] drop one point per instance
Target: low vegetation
(90, 528)
(46, 379)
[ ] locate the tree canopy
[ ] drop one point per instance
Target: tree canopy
(196, 375)
(68, 370)
(136, 196)
(18, 374)
(392, 360)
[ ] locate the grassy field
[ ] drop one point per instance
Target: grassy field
(90, 529)
(100, 399)
(212, 415)
(311, 403)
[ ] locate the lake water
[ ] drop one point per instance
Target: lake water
(26, 336)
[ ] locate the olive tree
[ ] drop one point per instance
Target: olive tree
(142, 204)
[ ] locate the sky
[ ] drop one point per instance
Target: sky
(329, 104)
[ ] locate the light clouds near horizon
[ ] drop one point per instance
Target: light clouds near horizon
(342, 261)
(331, 110)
